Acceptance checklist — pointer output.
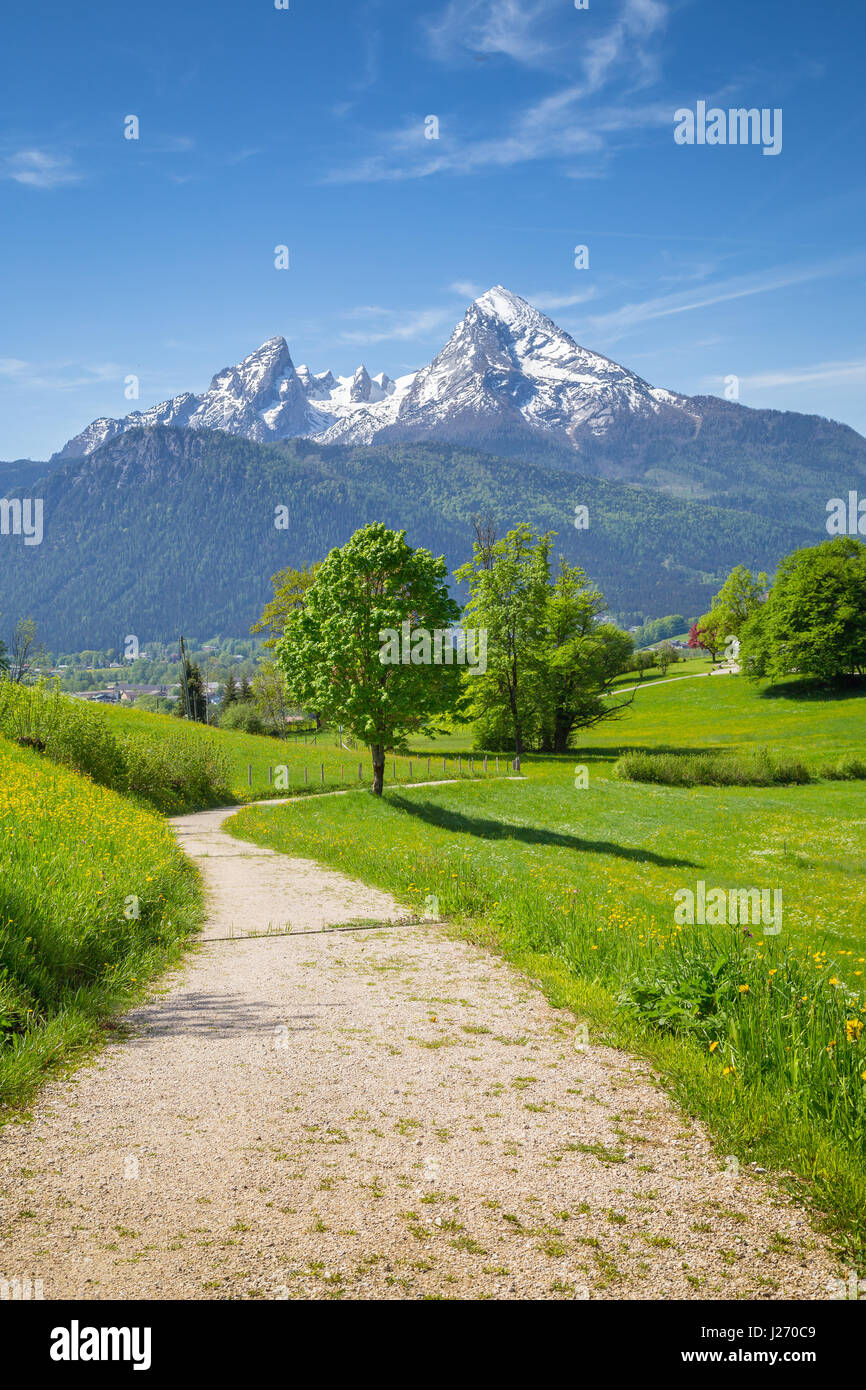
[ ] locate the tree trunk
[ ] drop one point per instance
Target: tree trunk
(515, 719)
(561, 731)
(378, 752)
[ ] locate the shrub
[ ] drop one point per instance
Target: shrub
(68, 731)
(709, 769)
(847, 769)
(244, 716)
(174, 770)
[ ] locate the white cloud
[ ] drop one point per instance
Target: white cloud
(38, 169)
(620, 321)
(466, 289)
(804, 376)
(509, 27)
(380, 325)
(573, 123)
(59, 376)
(545, 300)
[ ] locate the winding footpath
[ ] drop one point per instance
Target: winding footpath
(377, 1112)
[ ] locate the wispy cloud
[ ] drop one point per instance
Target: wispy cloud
(39, 169)
(620, 321)
(574, 123)
(513, 28)
(546, 300)
(380, 325)
(854, 370)
(467, 289)
(58, 376)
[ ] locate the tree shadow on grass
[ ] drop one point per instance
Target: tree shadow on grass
(609, 755)
(852, 688)
(461, 824)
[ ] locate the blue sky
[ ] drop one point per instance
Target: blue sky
(305, 127)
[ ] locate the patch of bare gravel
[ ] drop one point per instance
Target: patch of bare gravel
(375, 1113)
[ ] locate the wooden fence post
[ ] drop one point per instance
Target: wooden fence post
(249, 774)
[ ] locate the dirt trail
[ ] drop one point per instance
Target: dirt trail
(375, 1113)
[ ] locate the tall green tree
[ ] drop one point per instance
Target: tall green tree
(269, 697)
(196, 692)
(337, 647)
(26, 651)
(509, 582)
(550, 660)
(814, 619)
(581, 657)
(290, 589)
(740, 596)
(230, 690)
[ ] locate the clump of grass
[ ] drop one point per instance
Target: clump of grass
(754, 769)
(848, 769)
(95, 898)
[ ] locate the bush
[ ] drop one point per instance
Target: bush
(175, 771)
(847, 769)
(242, 715)
(68, 731)
(757, 769)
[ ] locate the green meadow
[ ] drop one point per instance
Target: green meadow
(317, 763)
(760, 1035)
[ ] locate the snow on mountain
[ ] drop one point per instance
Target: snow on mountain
(505, 366)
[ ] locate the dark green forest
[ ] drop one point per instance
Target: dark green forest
(163, 530)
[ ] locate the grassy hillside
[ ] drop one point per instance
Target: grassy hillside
(257, 752)
(77, 862)
(760, 1035)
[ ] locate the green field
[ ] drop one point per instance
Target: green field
(760, 1035)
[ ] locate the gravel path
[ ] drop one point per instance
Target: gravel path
(372, 1113)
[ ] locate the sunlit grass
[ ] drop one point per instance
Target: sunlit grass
(95, 898)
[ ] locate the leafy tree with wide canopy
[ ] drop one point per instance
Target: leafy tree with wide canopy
(741, 595)
(814, 619)
(550, 660)
(332, 645)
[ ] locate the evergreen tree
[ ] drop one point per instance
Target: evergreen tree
(230, 690)
(246, 690)
(197, 698)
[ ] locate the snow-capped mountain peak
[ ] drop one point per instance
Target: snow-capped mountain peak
(506, 367)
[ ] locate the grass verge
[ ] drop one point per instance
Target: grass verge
(95, 900)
